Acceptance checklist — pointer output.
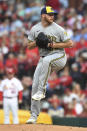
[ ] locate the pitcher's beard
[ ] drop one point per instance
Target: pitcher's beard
(48, 22)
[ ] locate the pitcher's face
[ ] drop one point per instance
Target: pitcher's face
(49, 18)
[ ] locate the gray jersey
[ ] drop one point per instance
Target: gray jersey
(54, 32)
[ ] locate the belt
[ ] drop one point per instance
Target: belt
(42, 56)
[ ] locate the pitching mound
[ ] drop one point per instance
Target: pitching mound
(39, 127)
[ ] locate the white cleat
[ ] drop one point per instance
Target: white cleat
(38, 96)
(32, 120)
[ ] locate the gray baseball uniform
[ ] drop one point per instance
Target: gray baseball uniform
(52, 60)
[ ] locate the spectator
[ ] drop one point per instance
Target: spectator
(45, 107)
(74, 108)
(76, 74)
(21, 65)
(84, 113)
(84, 5)
(65, 79)
(64, 3)
(55, 109)
(55, 4)
(27, 84)
(77, 93)
(12, 61)
(66, 98)
(53, 80)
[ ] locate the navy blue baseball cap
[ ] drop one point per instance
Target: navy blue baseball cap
(48, 10)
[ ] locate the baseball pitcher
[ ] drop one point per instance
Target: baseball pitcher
(51, 39)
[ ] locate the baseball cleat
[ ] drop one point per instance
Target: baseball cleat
(38, 96)
(31, 120)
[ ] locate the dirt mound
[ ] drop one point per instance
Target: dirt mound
(39, 127)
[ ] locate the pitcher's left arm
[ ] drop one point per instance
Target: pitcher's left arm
(66, 44)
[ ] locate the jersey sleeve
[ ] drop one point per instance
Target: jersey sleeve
(1, 86)
(31, 36)
(64, 35)
(20, 87)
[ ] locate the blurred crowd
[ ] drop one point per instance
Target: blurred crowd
(67, 89)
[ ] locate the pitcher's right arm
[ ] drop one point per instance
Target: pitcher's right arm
(31, 45)
(31, 39)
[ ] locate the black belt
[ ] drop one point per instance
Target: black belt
(42, 56)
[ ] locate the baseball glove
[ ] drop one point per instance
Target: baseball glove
(42, 41)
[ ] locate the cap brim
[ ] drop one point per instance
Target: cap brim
(52, 13)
